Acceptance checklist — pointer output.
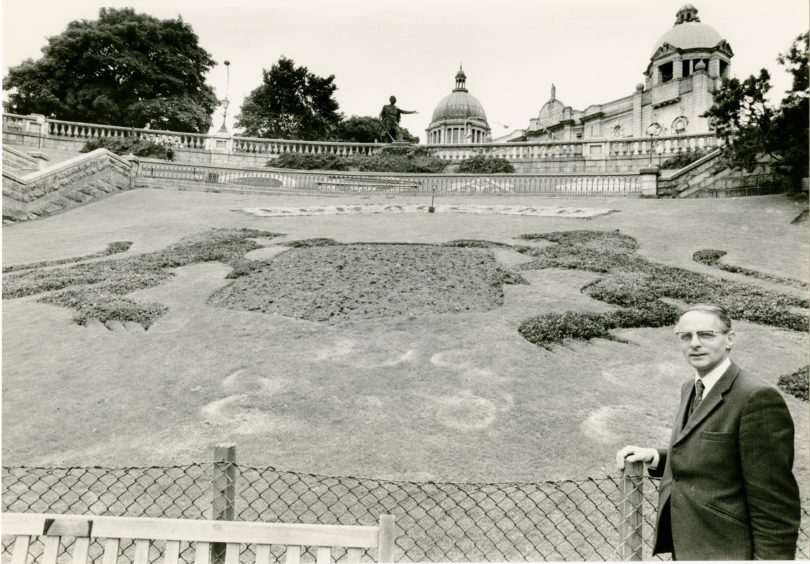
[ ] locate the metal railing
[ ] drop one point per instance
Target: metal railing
(608, 518)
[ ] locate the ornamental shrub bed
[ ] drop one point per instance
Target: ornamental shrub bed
(96, 290)
(391, 158)
(413, 162)
(481, 164)
(476, 244)
(711, 257)
(321, 279)
(337, 284)
(795, 383)
(299, 161)
(551, 328)
(127, 145)
(637, 284)
(96, 303)
(314, 242)
(113, 248)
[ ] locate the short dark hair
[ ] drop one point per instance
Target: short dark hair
(717, 310)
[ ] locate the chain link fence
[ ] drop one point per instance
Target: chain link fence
(610, 518)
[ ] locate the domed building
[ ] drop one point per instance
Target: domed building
(687, 65)
(679, 52)
(458, 118)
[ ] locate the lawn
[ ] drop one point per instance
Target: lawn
(435, 394)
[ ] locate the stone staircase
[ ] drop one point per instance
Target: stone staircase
(30, 195)
(18, 162)
(709, 177)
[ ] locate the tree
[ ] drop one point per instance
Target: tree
(291, 103)
(366, 129)
(756, 132)
(123, 69)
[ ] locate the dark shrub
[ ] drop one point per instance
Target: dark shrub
(475, 244)
(391, 158)
(128, 145)
(315, 242)
(482, 164)
(795, 383)
(685, 158)
(602, 240)
(652, 314)
(320, 161)
(413, 162)
(708, 256)
(556, 327)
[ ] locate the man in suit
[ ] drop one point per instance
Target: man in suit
(727, 490)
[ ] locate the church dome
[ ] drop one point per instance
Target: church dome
(689, 33)
(459, 104)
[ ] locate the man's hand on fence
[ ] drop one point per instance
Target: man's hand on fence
(632, 453)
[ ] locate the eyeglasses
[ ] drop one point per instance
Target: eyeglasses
(703, 336)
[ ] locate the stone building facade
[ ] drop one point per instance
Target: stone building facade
(687, 65)
(458, 118)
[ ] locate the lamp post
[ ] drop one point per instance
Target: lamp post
(225, 102)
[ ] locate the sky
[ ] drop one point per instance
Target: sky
(512, 51)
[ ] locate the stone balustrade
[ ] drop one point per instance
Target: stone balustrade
(257, 145)
(163, 174)
(621, 154)
(526, 151)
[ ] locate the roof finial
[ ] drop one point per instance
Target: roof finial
(460, 80)
(553, 92)
(687, 13)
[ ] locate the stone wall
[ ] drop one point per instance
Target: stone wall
(739, 184)
(65, 185)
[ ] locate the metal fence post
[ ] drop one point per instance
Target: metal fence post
(630, 541)
(223, 486)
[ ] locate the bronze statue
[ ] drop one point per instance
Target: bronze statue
(390, 116)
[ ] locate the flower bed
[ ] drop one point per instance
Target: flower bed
(638, 284)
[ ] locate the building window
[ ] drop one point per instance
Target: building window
(666, 71)
(687, 68)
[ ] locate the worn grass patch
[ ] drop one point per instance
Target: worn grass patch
(638, 284)
(96, 290)
(324, 282)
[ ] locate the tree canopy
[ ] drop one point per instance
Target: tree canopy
(366, 129)
(291, 103)
(754, 130)
(125, 69)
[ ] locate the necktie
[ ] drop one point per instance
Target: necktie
(698, 396)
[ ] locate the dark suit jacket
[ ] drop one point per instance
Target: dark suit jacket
(727, 490)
